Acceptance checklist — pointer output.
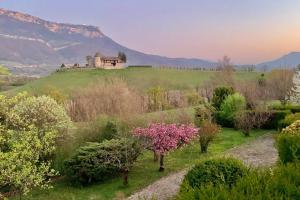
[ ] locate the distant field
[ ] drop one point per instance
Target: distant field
(140, 78)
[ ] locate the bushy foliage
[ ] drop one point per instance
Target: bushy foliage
(220, 94)
(99, 161)
(216, 171)
(207, 132)
(288, 120)
(22, 166)
(162, 138)
(193, 98)
(291, 107)
(288, 143)
(43, 112)
(231, 105)
(247, 120)
(30, 127)
(203, 113)
(281, 183)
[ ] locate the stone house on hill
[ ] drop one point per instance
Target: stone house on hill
(100, 61)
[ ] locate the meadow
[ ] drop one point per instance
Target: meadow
(139, 78)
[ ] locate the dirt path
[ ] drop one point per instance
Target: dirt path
(258, 153)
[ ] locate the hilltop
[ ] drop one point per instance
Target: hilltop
(35, 46)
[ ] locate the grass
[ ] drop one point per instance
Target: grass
(140, 78)
(4, 71)
(145, 171)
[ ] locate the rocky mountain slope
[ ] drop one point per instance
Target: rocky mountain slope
(30, 44)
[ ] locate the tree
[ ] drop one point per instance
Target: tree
(207, 132)
(21, 165)
(166, 137)
(231, 105)
(294, 95)
(122, 56)
(280, 83)
(98, 161)
(220, 94)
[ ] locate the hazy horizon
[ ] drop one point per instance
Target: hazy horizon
(247, 31)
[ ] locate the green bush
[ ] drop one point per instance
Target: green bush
(220, 94)
(278, 184)
(288, 120)
(275, 118)
(231, 105)
(290, 107)
(100, 161)
(216, 171)
(288, 148)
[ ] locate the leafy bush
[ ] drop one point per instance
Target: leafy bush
(100, 161)
(220, 94)
(247, 120)
(203, 113)
(231, 105)
(288, 143)
(288, 120)
(278, 184)
(290, 107)
(194, 99)
(224, 171)
(207, 132)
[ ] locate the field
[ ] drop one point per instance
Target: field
(139, 78)
(145, 167)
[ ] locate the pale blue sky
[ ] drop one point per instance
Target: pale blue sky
(249, 31)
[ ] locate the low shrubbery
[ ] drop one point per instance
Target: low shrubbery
(99, 161)
(288, 143)
(220, 172)
(290, 107)
(220, 94)
(288, 120)
(282, 182)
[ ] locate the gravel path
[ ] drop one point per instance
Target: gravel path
(258, 153)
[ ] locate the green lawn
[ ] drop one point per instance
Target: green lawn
(145, 171)
(140, 78)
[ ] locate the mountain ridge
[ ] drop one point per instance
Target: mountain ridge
(31, 42)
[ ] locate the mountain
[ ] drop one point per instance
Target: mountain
(291, 60)
(35, 46)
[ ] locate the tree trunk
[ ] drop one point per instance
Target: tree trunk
(161, 163)
(203, 148)
(125, 177)
(155, 156)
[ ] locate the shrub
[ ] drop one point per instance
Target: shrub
(288, 120)
(100, 161)
(278, 184)
(231, 105)
(247, 120)
(42, 112)
(207, 132)
(203, 113)
(157, 99)
(194, 99)
(288, 143)
(290, 107)
(225, 171)
(288, 148)
(220, 95)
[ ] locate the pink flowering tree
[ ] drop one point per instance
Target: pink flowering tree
(166, 137)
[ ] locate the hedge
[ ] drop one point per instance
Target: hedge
(273, 123)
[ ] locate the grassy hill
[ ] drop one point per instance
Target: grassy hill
(4, 71)
(140, 78)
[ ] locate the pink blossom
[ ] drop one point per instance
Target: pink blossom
(166, 137)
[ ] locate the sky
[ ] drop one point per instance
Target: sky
(248, 31)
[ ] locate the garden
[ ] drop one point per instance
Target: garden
(109, 141)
